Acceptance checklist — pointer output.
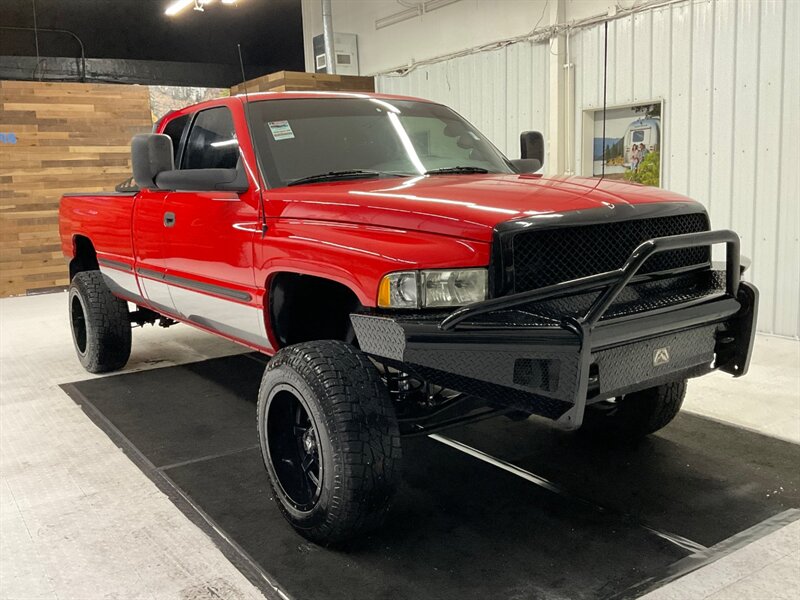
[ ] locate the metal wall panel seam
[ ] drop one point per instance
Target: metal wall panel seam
(689, 96)
(711, 111)
(788, 231)
(753, 232)
(779, 195)
(769, 130)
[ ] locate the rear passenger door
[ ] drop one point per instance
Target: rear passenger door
(210, 238)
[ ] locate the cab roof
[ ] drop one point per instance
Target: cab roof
(256, 96)
(259, 96)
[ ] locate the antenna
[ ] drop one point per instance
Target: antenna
(241, 66)
(605, 86)
(262, 213)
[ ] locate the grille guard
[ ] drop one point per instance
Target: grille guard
(493, 360)
(612, 281)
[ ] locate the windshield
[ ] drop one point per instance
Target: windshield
(305, 137)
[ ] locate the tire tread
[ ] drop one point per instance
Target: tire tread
(108, 345)
(639, 413)
(362, 426)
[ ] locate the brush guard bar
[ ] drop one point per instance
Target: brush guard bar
(555, 370)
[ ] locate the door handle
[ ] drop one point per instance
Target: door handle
(169, 219)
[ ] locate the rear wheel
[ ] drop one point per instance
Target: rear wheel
(637, 414)
(329, 439)
(100, 323)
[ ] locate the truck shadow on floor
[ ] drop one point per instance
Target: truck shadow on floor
(614, 516)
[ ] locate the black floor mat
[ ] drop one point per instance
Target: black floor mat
(460, 528)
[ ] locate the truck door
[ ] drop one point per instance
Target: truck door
(149, 245)
(149, 237)
(210, 238)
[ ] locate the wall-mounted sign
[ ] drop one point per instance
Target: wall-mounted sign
(631, 148)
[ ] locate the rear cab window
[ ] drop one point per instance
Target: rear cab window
(174, 130)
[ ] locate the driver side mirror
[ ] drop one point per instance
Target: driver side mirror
(151, 154)
(531, 151)
(154, 168)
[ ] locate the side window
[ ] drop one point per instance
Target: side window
(212, 141)
(174, 129)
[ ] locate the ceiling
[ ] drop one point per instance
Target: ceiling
(270, 31)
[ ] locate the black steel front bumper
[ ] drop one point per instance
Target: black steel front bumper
(506, 353)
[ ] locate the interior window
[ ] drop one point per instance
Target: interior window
(174, 130)
(212, 141)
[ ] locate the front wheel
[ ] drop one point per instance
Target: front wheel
(637, 414)
(330, 440)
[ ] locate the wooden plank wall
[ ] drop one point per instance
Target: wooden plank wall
(67, 137)
(74, 137)
(294, 81)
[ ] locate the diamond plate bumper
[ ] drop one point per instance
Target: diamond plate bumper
(502, 351)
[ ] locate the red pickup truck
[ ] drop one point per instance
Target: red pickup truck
(407, 277)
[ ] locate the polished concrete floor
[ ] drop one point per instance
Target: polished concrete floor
(80, 520)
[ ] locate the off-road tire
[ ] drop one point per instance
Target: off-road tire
(637, 414)
(357, 434)
(100, 324)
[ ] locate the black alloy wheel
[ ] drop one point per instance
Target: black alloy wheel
(78, 320)
(293, 447)
(100, 323)
(329, 439)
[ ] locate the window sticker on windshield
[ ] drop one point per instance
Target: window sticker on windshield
(281, 130)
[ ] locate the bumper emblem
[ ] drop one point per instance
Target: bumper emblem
(661, 356)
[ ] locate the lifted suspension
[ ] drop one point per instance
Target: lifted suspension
(144, 316)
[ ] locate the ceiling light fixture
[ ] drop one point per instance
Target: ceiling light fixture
(178, 6)
(181, 5)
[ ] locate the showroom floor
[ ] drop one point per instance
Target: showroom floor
(81, 520)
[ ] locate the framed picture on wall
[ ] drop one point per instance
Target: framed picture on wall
(631, 147)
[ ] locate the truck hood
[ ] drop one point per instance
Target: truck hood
(464, 206)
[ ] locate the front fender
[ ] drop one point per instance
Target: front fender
(359, 256)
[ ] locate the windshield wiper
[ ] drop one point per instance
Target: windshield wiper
(349, 174)
(456, 170)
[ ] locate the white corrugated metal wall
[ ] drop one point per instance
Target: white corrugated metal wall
(728, 72)
(501, 92)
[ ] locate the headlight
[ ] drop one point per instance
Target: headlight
(427, 289)
(453, 288)
(399, 290)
